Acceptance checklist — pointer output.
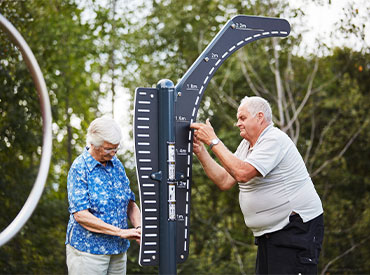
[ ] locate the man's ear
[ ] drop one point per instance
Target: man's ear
(261, 117)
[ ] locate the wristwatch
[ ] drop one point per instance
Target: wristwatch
(214, 142)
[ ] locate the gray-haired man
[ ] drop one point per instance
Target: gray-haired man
(277, 197)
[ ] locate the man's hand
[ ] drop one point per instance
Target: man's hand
(203, 133)
(198, 146)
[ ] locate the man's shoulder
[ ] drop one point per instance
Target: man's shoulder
(275, 133)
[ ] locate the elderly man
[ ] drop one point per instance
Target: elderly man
(276, 195)
(100, 203)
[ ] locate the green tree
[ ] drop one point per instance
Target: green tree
(62, 45)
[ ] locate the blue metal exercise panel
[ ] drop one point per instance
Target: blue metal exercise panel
(236, 33)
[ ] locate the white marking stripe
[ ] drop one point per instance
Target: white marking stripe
(201, 89)
(150, 243)
(210, 72)
(146, 168)
(185, 246)
(143, 127)
(188, 159)
(240, 42)
(187, 196)
(144, 152)
(143, 110)
(143, 118)
(274, 32)
(189, 135)
(143, 143)
(196, 102)
(144, 102)
(148, 184)
(193, 111)
(232, 48)
(187, 209)
(145, 160)
(144, 177)
(223, 56)
(142, 93)
(218, 62)
(186, 221)
(186, 233)
(248, 38)
(205, 80)
(150, 218)
(257, 35)
(143, 135)
(283, 32)
(150, 235)
(265, 33)
(149, 201)
(189, 147)
(150, 252)
(146, 260)
(151, 226)
(151, 210)
(149, 193)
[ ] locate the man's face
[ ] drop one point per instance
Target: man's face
(106, 151)
(247, 124)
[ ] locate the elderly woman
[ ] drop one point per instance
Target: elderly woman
(100, 201)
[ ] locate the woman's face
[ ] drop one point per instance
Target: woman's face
(105, 152)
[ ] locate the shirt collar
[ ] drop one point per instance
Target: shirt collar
(91, 162)
(260, 136)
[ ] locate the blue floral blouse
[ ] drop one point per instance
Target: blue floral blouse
(105, 192)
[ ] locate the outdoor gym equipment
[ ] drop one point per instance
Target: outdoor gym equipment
(38, 79)
(164, 142)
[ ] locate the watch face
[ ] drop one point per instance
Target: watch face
(215, 141)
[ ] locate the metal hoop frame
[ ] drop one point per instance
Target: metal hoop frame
(38, 79)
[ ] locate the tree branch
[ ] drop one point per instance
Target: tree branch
(341, 153)
(323, 272)
(305, 99)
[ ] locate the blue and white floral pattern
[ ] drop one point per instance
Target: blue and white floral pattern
(105, 192)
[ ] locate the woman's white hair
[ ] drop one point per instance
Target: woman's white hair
(256, 104)
(103, 129)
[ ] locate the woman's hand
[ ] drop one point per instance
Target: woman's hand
(130, 234)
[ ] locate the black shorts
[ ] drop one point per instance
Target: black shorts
(295, 249)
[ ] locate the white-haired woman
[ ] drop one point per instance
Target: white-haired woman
(100, 202)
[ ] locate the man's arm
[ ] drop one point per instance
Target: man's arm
(237, 169)
(241, 171)
(213, 170)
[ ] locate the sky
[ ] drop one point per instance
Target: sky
(321, 19)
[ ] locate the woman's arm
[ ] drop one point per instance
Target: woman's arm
(134, 214)
(94, 224)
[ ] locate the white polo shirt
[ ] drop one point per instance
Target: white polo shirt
(285, 185)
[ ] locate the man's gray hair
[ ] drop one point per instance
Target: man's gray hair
(103, 129)
(256, 104)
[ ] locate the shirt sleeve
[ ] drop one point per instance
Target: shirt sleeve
(78, 195)
(266, 155)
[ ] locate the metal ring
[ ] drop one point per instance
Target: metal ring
(38, 79)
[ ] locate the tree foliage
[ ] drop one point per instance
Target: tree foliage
(87, 49)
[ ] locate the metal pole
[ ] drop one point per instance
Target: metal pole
(167, 195)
